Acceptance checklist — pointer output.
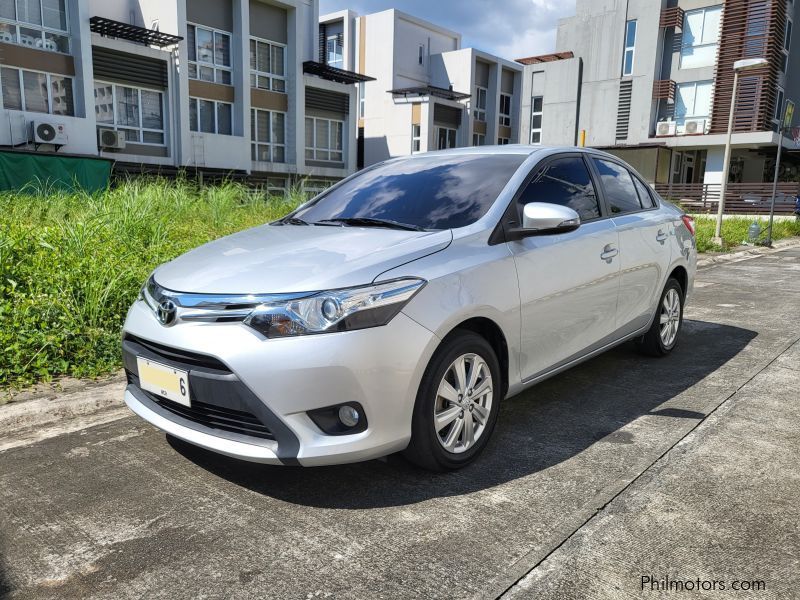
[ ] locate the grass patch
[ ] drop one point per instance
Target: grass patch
(734, 231)
(72, 264)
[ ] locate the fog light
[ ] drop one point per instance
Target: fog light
(348, 416)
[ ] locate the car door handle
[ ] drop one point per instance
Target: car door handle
(661, 237)
(609, 252)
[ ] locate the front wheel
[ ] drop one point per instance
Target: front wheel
(457, 404)
(662, 336)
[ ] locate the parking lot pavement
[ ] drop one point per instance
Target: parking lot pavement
(622, 467)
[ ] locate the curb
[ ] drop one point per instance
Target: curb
(749, 253)
(55, 407)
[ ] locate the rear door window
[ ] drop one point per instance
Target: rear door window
(645, 195)
(564, 181)
(620, 192)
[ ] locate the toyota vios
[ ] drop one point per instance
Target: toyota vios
(398, 309)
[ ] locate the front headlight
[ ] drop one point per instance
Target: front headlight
(336, 310)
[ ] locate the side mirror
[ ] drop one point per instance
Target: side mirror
(541, 218)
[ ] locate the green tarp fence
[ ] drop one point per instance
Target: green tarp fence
(22, 170)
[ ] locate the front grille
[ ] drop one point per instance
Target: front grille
(215, 417)
(181, 356)
(209, 415)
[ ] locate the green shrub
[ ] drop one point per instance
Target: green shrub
(71, 264)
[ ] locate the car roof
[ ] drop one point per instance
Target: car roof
(506, 149)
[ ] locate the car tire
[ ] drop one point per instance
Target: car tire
(662, 337)
(441, 397)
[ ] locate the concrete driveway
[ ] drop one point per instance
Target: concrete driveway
(677, 469)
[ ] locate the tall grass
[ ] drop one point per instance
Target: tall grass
(71, 264)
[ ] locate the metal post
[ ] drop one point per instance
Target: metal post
(726, 164)
(775, 184)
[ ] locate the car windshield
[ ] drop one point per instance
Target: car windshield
(436, 192)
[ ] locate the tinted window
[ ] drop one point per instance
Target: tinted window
(441, 192)
(564, 181)
(645, 197)
(618, 186)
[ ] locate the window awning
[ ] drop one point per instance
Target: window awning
(132, 33)
(333, 74)
(430, 90)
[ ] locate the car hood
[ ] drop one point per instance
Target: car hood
(288, 258)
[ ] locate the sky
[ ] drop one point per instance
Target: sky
(508, 28)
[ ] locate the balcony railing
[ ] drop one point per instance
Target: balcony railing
(740, 198)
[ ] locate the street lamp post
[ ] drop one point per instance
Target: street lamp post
(739, 66)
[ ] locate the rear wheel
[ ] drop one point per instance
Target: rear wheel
(457, 404)
(662, 336)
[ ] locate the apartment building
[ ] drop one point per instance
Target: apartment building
(651, 80)
(213, 85)
(429, 93)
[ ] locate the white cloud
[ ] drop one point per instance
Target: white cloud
(509, 28)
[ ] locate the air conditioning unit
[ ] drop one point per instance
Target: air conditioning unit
(48, 133)
(108, 139)
(694, 127)
(665, 128)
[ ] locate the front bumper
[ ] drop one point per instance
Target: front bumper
(252, 394)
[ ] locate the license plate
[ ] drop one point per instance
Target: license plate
(172, 384)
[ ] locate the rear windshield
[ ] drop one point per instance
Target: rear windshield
(438, 192)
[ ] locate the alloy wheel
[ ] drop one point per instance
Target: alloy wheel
(463, 403)
(670, 317)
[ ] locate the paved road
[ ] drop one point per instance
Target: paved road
(684, 468)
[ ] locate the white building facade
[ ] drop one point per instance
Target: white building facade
(161, 85)
(429, 93)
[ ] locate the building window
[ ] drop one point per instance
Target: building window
(40, 24)
(335, 50)
(693, 101)
(137, 112)
(416, 138)
(268, 135)
(503, 141)
(324, 140)
(630, 48)
(779, 105)
(209, 116)
(446, 138)
(267, 65)
(700, 37)
(505, 110)
(478, 139)
(36, 92)
(421, 56)
(362, 101)
(209, 54)
(480, 103)
(537, 104)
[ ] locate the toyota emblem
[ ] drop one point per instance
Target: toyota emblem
(166, 312)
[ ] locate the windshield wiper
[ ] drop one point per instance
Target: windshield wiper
(368, 222)
(293, 221)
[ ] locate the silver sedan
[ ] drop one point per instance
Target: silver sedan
(398, 309)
